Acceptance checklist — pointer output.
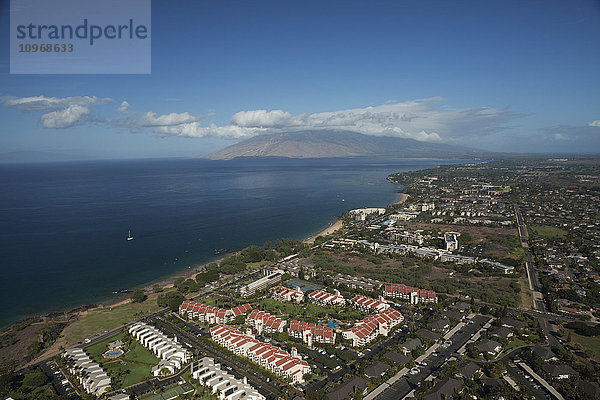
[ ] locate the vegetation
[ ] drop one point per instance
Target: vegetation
(547, 231)
(30, 384)
(172, 300)
(47, 336)
(138, 296)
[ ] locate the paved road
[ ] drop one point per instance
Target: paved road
(407, 383)
(269, 390)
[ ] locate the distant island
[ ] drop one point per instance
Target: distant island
(335, 144)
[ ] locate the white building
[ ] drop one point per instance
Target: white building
(91, 376)
(271, 278)
(172, 354)
(281, 293)
(221, 383)
(361, 214)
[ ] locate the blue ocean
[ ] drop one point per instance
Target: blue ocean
(64, 225)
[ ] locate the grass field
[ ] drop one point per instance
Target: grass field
(307, 312)
(97, 320)
(591, 345)
(547, 231)
(168, 393)
(133, 367)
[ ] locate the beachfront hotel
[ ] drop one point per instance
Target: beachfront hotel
(172, 354)
(270, 357)
(365, 331)
(270, 278)
(221, 383)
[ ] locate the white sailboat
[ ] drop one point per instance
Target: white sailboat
(129, 237)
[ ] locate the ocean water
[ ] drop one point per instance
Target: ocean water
(63, 226)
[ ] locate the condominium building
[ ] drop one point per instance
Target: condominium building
(368, 304)
(221, 383)
(323, 298)
(211, 314)
(263, 321)
(91, 376)
(408, 293)
(310, 332)
(365, 331)
(270, 357)
(282, 293)
(172, 354)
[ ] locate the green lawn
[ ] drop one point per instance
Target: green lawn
(97, 320)
(591, 344)
(307, 311)
(97, 349)
(547, 231)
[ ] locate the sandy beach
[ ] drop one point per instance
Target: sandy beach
(403, 198)
(327, 231)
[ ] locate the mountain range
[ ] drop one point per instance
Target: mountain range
(334, 144)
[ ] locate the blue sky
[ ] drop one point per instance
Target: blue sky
(496, 75)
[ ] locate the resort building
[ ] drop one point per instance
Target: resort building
(172, 354)
(270, 278)
(366, 284)
(365, 331)
(310, 332)
(451, 240)
(412, 294)
(368, 304)
(91, 376)
(361, 214)
(270, 357)
(263, 321)
(222, 384)
(281, 293)
(323, 298)
(211, 314)
(507, 269)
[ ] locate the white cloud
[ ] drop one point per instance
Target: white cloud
(43, 103)
(260, 118)
(124, 108)
(422, 119)
(150, 119)
(559, 136)
(595, 123)
(194, 129)
(418, 119)
(65, 118)
(61, 112)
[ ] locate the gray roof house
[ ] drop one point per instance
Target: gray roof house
(560, 371)
(544, 353)
(444, 389)
(489, 346)
(376, 370)
(411, 344)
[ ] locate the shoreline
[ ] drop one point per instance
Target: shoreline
(168, 281)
